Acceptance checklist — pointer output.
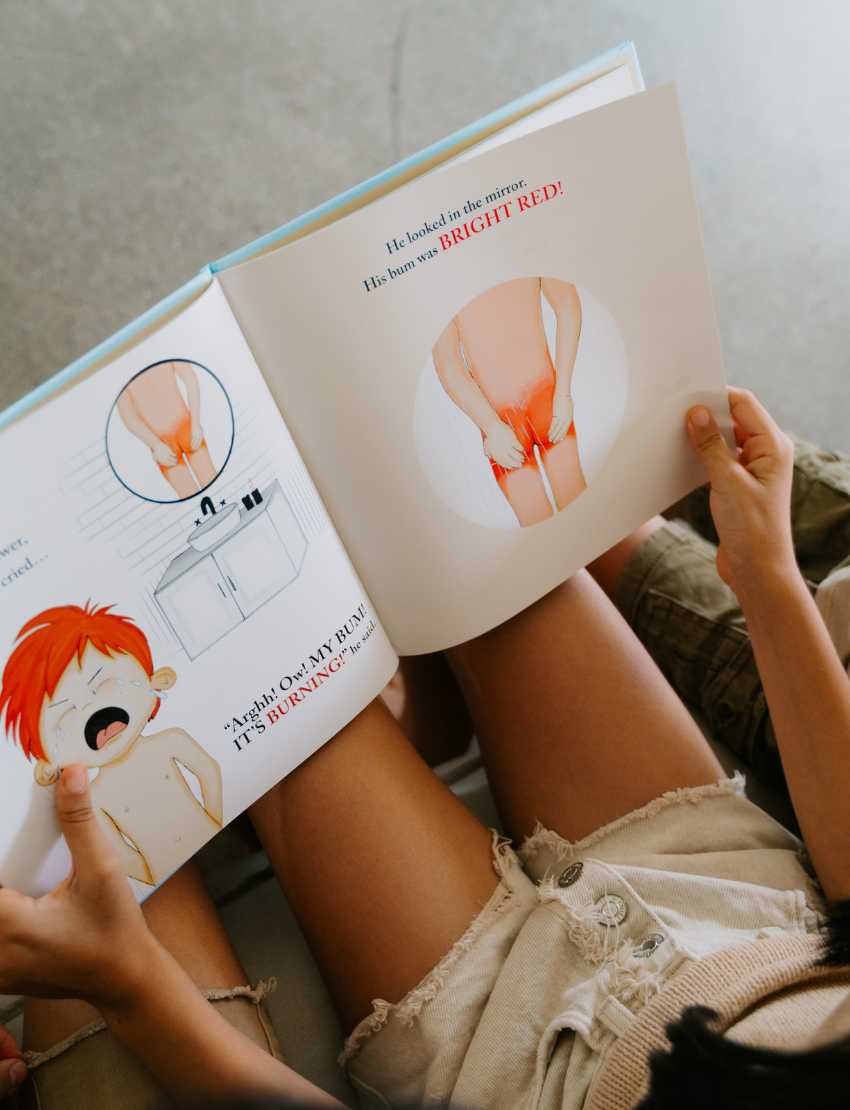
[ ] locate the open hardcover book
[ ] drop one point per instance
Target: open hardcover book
(382, 430)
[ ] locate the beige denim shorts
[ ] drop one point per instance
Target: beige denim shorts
(92, 1071)
(577, 938)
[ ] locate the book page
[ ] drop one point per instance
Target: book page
(487, 372)
(176, 609)
(611, 86)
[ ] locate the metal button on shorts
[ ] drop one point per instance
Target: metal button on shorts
(611, 909)
(570, 875)
(648, 945)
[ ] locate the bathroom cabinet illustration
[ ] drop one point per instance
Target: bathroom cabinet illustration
(238, 558)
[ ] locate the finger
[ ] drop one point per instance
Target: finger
(88, 845)
(708, 444)
(750, 416)
(8, 1047)
(12, 1075)
(741, 436)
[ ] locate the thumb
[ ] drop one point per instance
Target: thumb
(13, 1071)
(708, 444)
(83, 834)
(12, 1074)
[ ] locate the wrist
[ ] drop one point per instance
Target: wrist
(138, 977)
(767, 581)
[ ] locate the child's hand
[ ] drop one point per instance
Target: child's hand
(750, 495)
(502, 446)
(562, 417)
(163, 454)
(86, 938)
(13, 1071)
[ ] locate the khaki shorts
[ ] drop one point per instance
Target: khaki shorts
(92, 1071)
(691, 623)
(524, 1009)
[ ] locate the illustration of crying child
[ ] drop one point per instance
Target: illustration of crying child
(80, 687)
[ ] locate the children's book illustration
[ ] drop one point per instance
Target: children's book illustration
(80, 687)
(494, 363)
(170, 432)
(239, 557)
(504, 425)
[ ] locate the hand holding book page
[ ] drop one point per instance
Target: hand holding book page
(79, 688)
(188, 652)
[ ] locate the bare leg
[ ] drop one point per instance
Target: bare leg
(563, 469)
(182, 916)
(425, 699)
(576, 723)
(608, 567)
(526, 495)
(383, 866)
(202, 465)
(182, 479)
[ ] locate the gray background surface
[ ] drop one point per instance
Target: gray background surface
(139, 141)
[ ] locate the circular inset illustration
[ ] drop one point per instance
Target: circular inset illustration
(170, 431)
(520, 401)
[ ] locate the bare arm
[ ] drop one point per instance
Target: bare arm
(809, 699)
(88, 939)
(563, 298)
(162, 453)
(186, 751)
(500, 442)
(193, 392)
(807, 690)
(191, 1049)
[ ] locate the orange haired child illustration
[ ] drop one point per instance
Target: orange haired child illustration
(80, 687)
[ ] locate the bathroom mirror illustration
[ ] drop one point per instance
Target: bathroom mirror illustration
(170, 431)
(520, 401)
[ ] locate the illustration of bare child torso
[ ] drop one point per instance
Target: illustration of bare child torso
(145, 799)
(505, 344)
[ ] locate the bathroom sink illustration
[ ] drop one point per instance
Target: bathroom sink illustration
(215, 528)
(236, 561)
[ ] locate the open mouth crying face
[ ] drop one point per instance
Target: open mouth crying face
(104, 725)
(98, 709)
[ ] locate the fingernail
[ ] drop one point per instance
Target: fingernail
(76, 781)
(700, 417)
(17, 1073)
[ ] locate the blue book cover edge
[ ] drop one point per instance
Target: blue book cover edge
(204, 276)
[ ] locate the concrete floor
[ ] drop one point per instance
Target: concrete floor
(141, 140)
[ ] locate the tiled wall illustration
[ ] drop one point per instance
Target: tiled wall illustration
(145, 536)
